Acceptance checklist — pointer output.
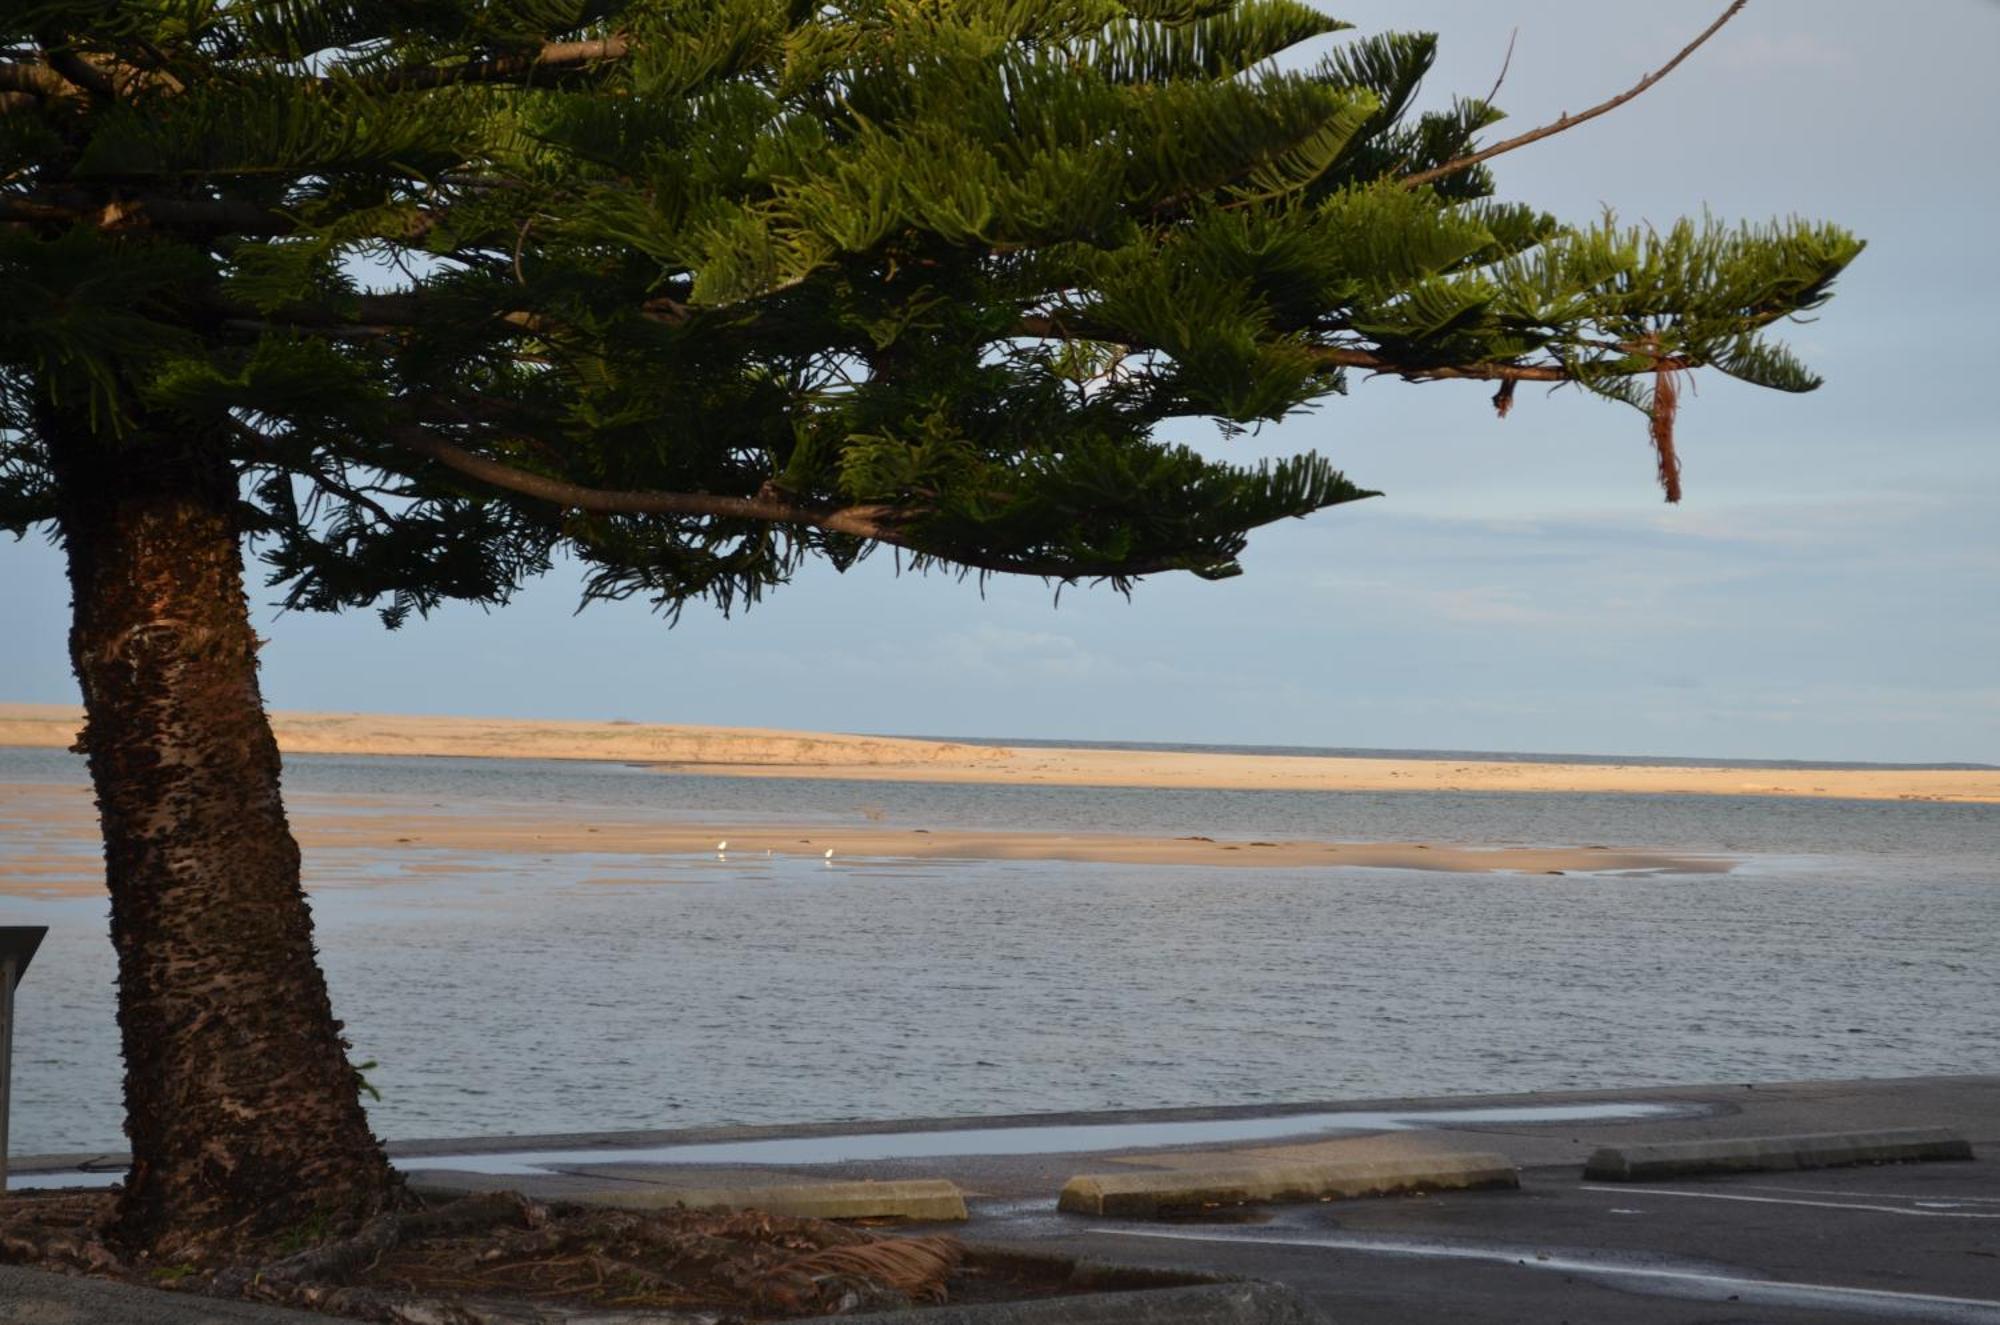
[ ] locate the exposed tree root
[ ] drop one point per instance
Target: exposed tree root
(501, 1259)
(61, 1232)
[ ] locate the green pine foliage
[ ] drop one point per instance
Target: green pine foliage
(944, 274)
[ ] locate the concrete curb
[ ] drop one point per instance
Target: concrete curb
(1150, 1194)
(916, 1199)
(1770, 1154)
(927, 1200)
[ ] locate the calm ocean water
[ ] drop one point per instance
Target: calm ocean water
(531, 995)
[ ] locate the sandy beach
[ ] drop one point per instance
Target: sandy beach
(752, 752)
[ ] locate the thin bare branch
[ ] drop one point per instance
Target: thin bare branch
(268, 449)
(1567, 122)
(1506, 63)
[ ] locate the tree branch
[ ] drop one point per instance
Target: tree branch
(556, 57)
(876, 522)
(19, 210)
(1571, 121)
(330, 328)
(144, 211)
(1475, 372)
(387, 314)
(881, 524)
(81, 72)
(1047, 328)
(34, 79)
(212, 214)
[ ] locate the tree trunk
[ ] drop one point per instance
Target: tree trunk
(243, 1111)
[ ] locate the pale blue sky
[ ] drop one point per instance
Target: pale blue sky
(1827, 590)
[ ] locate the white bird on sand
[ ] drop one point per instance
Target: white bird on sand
(723, 845)
(829, 853)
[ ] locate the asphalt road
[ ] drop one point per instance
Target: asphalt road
(1903, 1242)
(1917, 1242)
(1897, 1242)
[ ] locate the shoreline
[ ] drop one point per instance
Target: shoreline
(753, 752)
(1961, 1100)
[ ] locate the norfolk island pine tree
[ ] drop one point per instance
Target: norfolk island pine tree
(693, 291)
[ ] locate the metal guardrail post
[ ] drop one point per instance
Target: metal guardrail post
(17, 948)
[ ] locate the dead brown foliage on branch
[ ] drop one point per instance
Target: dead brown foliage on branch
(501, 1259)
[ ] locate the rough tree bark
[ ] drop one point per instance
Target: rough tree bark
(243, 1112)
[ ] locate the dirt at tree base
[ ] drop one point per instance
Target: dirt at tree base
(501, 1259)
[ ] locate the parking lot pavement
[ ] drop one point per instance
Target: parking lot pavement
(1893, 1242)
(1902, 1242)
(1896, 1242)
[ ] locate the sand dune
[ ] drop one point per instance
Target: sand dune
(753, 752)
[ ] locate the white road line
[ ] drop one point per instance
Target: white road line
(1692, 1283)
(1880, 1196)
(1622, 1190)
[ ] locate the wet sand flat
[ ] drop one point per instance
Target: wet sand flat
(749, 752)
(51, 833)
